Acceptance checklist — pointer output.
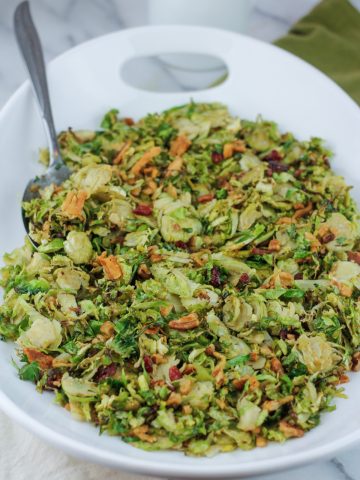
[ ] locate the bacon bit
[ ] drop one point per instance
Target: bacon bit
(354, 257)
(355, 362)
(274, 156)
(174, 400)
(298, 206)
(165, 311)
(144, 210)
(187, 322)
(179, 146)
(185, 386)
(189, 369)
(105, 371)
(272, 405)
(45, 361)
(144, 160)
(276, 366)
(230, 148)
(148, 363)
(329, 237)
(344, 379)
(174, 167)
(107, 329)
(142, 433)
(253, 356)
(121, 153)
(210, 350)
(155, 258)
(217, 157)
(187, 410)
(74, 203)
(112, 269)
(143, 271)
(261, 442)
(215, 279)
(259, 251)
(207, 197)
(274, 246)
(128, 121)
(151, 330)
(239, 383)
(285, 221)
(174, 373)
(298, 276)
(289, 430)
(302, 212)
(157, 383)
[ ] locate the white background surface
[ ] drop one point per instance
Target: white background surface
(63, 24)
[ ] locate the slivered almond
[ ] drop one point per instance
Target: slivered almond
(187, 322)
(179, 145)
(74, 203)
(144, 160)
(272, 405)
(174, 167)
(121, 153)
(112, 269)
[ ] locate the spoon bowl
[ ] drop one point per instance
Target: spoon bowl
(30, 47)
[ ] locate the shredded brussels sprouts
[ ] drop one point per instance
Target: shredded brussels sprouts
(196, 282)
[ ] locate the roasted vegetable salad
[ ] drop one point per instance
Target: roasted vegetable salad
(196, 282)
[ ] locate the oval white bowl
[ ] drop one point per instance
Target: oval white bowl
(85, 82)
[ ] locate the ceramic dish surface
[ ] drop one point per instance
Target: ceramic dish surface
(86, 82)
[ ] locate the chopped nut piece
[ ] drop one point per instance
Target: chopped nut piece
(174, 167)
(354, 257)
(74, 203)
(230, 148)
(261, 442)
(187, 322)
(272, 405)
(274, 245)
(185, 386)
(144, 160)
(179, 146)
(107, 329)
(143, 271)
(276, 366)
(174, 400)
(141, 432)
(289, 430)
(112, 269)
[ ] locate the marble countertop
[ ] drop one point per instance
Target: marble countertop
(62, 25)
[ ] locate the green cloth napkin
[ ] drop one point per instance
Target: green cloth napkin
(329, 38)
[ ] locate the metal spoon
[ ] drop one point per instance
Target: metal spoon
(30, 47)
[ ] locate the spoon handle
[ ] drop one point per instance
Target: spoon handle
(30, 47)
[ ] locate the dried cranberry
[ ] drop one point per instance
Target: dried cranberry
(145, 210)
(148, 363)
(269, 172)
(298, 276)
(278, 166)
(206, 198)
(298, 173)
(283, 334)
(328, 237)
(128, 121)
(273, 156)
(217, 157)
(105, 371)
(174, 373)
(244, 279)
(181, 245)
(215, 280)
